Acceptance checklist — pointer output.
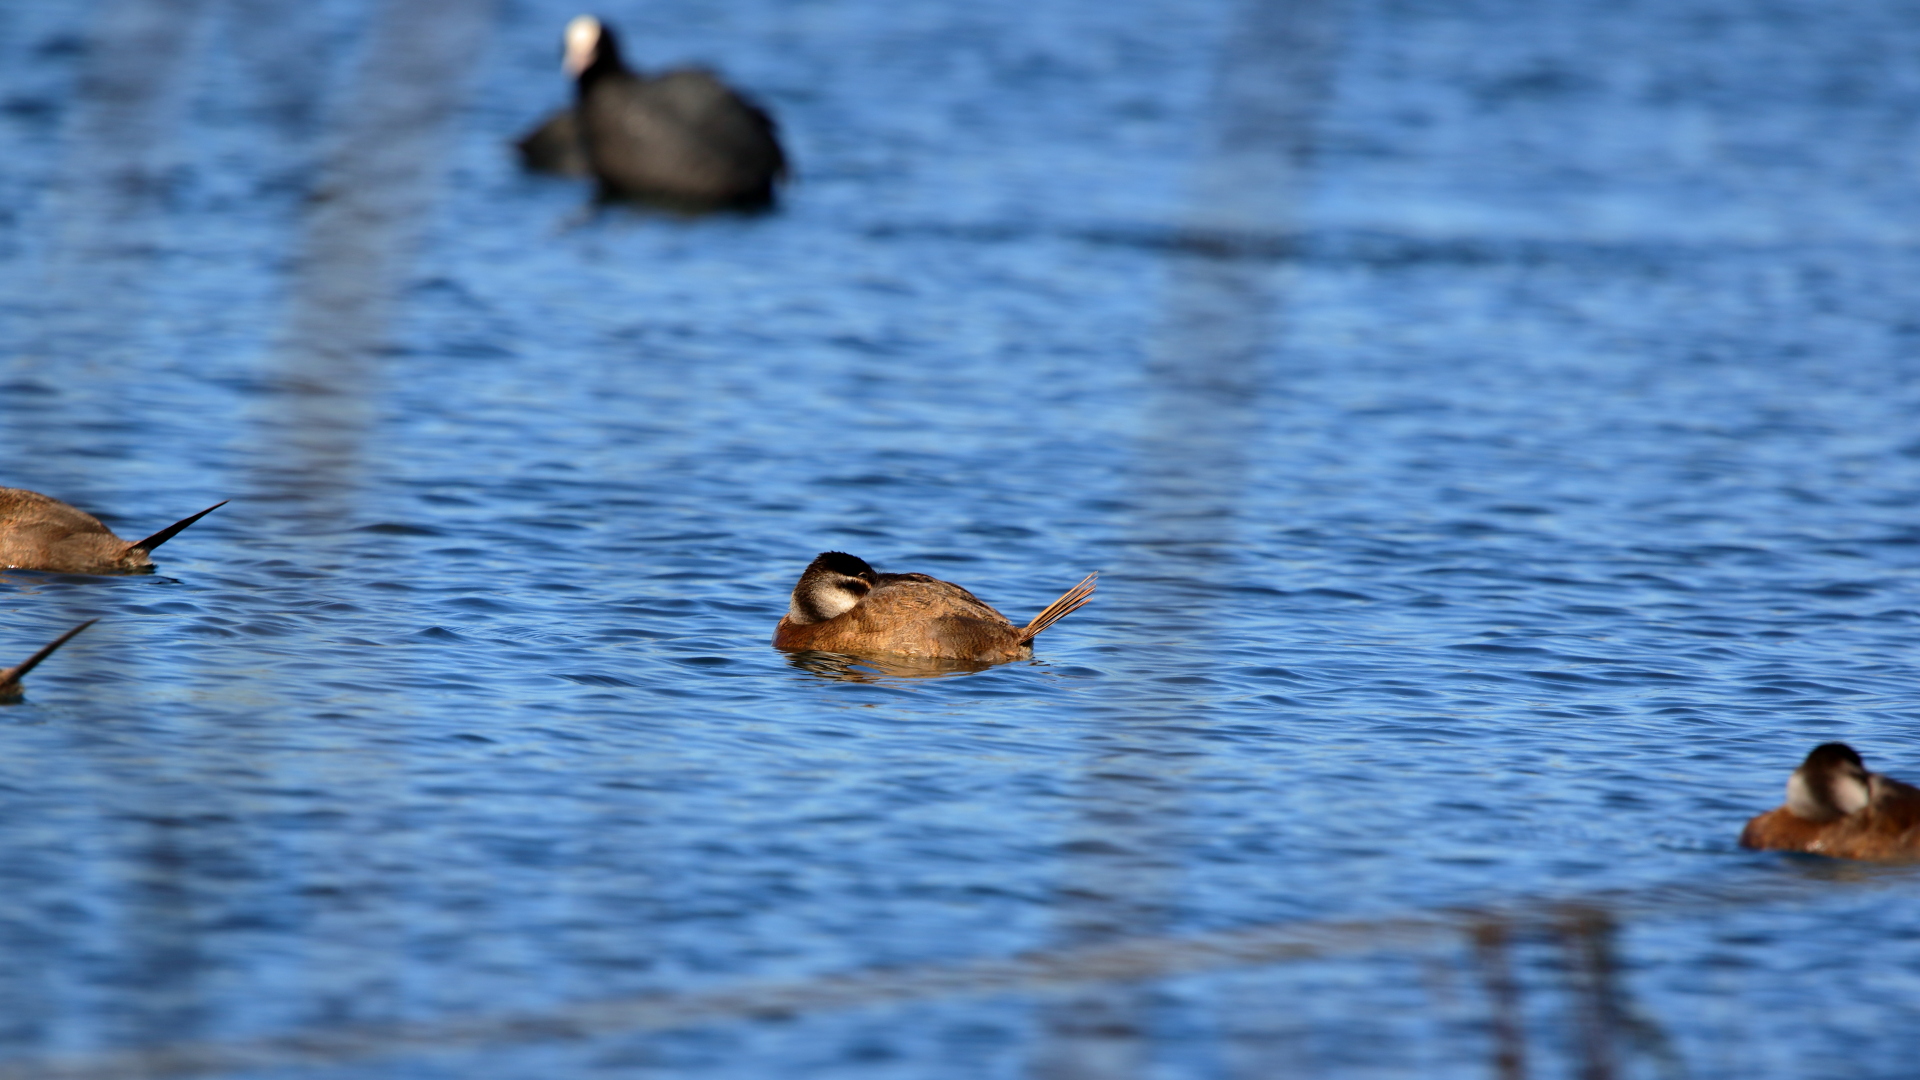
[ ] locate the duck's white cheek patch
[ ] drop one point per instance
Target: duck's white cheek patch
(1849, 794)
(1800, 800)
(840, 599)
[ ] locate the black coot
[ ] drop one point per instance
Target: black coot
(681, 136)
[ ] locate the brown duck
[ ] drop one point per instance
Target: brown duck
(10, 689)
(842, 605)
(1836, 807)
(41, 533)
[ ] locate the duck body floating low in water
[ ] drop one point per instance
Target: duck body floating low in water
(38, 532)
(681, 136)
(10, 689)
(842, 605)
(1836, 807)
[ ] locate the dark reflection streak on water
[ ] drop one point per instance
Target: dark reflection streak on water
(161, 923)
(101, 216)
(1605, 1021)
(286, 55)
(97, 229)
(1605, 1031)
(162, 938)
(383, 169)
(385, 144)
(1190, 474)
(1493, 956)
(384, 140)
(1127, 961)
(1585, 939)
(115, 173)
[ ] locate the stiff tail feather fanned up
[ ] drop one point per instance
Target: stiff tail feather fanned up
(1071, 601)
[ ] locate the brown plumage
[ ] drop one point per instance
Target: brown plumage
(842, 605)
(42, 533)
(10, 689)
(1836, 807)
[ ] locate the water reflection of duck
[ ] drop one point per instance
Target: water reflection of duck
(1836, 807)
(42, 533)
(842, 605)
(10, 689)
(682, 135)
(874, 669)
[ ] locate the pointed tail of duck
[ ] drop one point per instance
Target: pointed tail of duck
(1071, 601)
(172, 530)
(10, 677)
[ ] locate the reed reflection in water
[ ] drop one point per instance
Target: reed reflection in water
(1554, 998)
(384, 165)
(1207, 369)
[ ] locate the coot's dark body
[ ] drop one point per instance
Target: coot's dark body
(682, 136)
(555, 146)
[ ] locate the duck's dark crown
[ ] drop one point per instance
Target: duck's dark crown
(840, 562)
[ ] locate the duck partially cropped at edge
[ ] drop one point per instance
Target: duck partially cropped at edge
(842, 605)
(1836, 807)
(38, 532)
(681, 136)
(10, 689)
